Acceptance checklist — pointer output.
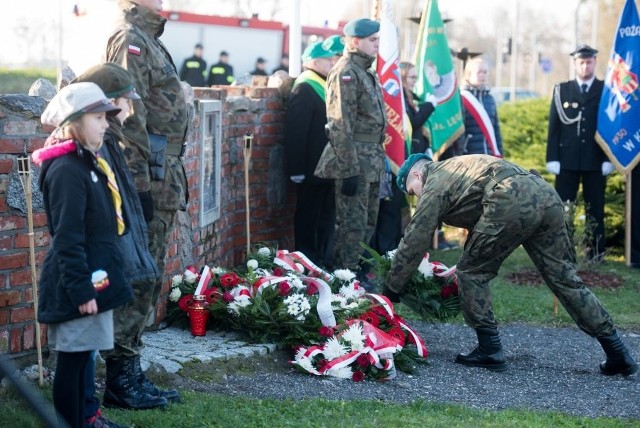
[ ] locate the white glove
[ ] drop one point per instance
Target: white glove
(297, 178)
(430, 98)
(607, 168)
(553, 167)
(429, 152)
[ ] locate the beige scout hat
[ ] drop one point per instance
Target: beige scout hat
(74, 100)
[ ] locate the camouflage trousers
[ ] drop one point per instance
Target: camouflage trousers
(356, 218)
(525, 210)
(130, 321)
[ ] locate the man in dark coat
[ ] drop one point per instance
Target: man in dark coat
(304, 140)
(221, 73)
(194, 68)
(572, 152)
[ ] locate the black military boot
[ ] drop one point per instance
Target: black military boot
(148, 387)
(488, 354)
(123, 391)
(619, 360)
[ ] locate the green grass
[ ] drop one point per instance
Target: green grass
(19, 81)
(206, 410)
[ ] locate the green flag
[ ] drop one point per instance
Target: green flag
(437, 76)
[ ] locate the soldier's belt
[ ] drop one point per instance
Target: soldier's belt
(501, 175)
(367, 138)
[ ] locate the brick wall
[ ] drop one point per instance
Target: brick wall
(257, 110)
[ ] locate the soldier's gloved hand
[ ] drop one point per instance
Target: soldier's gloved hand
(430, 98)
(607, 168)
(553, 167)
(147, 205)
(297, 178)
(391, 295)
(349, 186)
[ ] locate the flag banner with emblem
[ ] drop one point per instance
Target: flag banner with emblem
(389, 75)
(618, 130)
(437, 76)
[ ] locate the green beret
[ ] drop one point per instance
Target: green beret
(362, 27)
(401, 179)
(115, 81)
(316, 50)
(334, 44)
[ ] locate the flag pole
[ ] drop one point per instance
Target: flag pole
(246, 152)
(24, 171)
(627, 219)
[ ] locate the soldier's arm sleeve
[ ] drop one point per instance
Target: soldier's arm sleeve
(121, 49)
(553, 132)
(342, 108)
(296, 129)
(415, 243)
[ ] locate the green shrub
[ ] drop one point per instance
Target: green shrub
(19, 81)
(523, 125)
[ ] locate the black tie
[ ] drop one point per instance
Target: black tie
(584, 88)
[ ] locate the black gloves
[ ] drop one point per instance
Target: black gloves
(147, 205)
(391, 295)
(349, 186)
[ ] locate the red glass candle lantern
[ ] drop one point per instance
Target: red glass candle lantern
(198, 315)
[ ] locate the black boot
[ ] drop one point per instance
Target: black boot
(148, 387)
(123, 391)
(488, 354)
(619, 360)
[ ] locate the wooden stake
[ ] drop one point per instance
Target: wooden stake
(246, 152)
(24, 172)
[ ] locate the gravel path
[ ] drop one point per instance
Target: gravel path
(550, 369)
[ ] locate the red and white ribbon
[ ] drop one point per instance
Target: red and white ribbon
(479, 114)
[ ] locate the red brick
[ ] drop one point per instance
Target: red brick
(3, 205)
(4, 317)
(20, 127)
(12, 223)
(4, 341)
(28, 337)
(6, 243)
(47, 129)
(20, 277)
(22, 314)
(28, 295)
(10, 298)
(41, 239)
(15, 340)
(6, 166)
(12, 261)
(39, 219)
(12, 145)
(35, 144)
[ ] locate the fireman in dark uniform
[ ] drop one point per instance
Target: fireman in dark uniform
(221, 73)
(194, 68)
(572, 152)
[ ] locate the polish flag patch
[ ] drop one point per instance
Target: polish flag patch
(134, 50)
(346, 78)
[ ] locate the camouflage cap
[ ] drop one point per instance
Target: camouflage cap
(362, 27)
(316, 50)
(115, 81)
(334, 44)
(403, 173)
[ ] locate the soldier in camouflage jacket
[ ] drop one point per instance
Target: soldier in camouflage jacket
(155, 136)
(502, 206)
(356, 122)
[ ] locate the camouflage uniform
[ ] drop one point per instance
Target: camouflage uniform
(502, 206)
(162, 111)
(356, 121)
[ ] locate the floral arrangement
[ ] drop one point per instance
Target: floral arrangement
(333, 325)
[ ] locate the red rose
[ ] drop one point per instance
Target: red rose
(193, 269)
(326, 331)
(445, 292)
(363, 361)
(185, 301)
(371, 318)
(398, 334)
(229, 280)
(278, 271)
(312, 289)
(358, 376)
(284, 288)
(227, 297)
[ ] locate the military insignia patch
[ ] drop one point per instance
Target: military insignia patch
(134, 50)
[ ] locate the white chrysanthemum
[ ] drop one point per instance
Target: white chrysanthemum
(426, 268)
(342, 373)
(348, 306)
(264, 251)
(297, 306)
(334, 349)
(252, 264)
(391, 254)
(354, 336)
(344, 274)
(175, 294)
(305, 363)
(218, 270)
(239, 303)
(176, 280)
(337, 301)
(190, 277)
(349, 291)
(296, 283)
(301, 317)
